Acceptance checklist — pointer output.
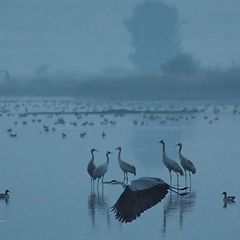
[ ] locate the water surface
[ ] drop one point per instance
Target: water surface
(51, 196)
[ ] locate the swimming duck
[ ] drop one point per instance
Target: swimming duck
(5, 195)
(228, 199)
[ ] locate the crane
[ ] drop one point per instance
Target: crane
(170, 164)
(126, 167)
(101, 170)
(91, 166)
(140, 195)
(187, 165)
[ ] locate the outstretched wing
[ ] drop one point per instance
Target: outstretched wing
(131, 204)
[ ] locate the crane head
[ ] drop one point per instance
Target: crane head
(118, 148)
(7, 191)
(113, 182)
(94, 150)
(224, 193)
(161, 141)
(179, 145)
(108, 152)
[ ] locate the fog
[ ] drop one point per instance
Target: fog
(120, 50)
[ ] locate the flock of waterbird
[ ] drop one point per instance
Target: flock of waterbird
(141, 193)
(144, 192)
(97, 173)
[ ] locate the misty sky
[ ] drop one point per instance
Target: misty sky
(89, 35)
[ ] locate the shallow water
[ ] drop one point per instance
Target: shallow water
(51, 195)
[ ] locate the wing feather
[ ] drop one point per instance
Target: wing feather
(131, 204)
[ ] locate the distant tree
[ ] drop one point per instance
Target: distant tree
(182, 64)
(42, 70)
(154, 28)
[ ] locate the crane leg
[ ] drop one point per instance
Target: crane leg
(190, 180)
(127, 177)
(185, 173)
(92, 184)
(97, 183)
(170, 174)
(177, 180)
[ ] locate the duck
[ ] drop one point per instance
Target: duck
(5, 195)
(228, 199)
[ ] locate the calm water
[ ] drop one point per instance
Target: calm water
(51, 196)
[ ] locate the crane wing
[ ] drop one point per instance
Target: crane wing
(144, 183)
(131, 204)
(191, 166)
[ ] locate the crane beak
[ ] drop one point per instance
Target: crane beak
(107, 182)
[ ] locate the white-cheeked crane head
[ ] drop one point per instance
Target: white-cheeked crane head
(113, 182)
(161, 141)
(93, 150)
(108, 152)
(179, 145)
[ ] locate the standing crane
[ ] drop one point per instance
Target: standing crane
(170, 164)
(91, 166)
(187, 165)
(126, 167)
(101, 170)
(142, 194)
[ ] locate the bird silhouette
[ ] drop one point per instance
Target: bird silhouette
(91, 166)
(140, 195)
(186, 164)
(170, 164)
(125, 167)
(101, 170)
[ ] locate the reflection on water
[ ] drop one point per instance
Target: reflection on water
(177, 205)
(226, 204)
(59, 217)
(97, 203)
(6, 200)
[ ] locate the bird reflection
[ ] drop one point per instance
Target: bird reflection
(175, 204)
(98, 204)
(5, 200)
(186, 205)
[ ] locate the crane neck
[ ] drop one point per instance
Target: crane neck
(180, 149)
(119, 154)
(107, 158)
(92, 158)
(163, 149)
